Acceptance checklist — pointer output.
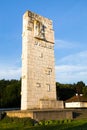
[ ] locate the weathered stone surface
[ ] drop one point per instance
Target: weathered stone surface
(47, 114)
(38, 73)
(53, 104)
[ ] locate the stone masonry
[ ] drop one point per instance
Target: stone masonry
(38, 73)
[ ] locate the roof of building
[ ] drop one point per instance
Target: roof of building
(77, 98)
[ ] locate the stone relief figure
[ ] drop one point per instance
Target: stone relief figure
(42, 31)
(39, 30)
(36, 28)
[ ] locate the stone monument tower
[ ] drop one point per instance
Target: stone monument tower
(38, 73)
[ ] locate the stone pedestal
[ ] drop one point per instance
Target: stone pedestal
(43, 114)
(51, 104)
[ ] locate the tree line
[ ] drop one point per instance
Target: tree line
(66, 91)
(10, 92)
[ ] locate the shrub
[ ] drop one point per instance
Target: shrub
(53, 122)
(23, 121)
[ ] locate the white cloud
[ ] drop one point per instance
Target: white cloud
(71, 73)
(77, 58)
(10, 73)
(72, 68)
(61, 44)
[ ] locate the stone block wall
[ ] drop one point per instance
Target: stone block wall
(51, 104)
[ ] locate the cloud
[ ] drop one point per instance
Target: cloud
(71, 73)
(61, 44)
(76, 59)
(72, 68)
(10, 72)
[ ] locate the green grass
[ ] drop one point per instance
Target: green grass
(29, 124)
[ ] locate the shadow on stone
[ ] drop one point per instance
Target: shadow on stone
(75, 114)
(2, 115)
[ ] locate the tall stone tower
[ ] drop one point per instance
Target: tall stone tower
(38, 73)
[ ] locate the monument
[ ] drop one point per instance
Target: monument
(38, 64)
(38, 92)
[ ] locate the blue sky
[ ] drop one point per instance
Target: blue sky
(70, 25)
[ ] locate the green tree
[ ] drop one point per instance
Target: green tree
(10, 93)
(64, 91)
(79, 87)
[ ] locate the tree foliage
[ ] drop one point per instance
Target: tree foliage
(66, 91)
(10, 93)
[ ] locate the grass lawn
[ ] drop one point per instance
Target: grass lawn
(29, 124)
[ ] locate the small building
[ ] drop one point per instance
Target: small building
(77, 101)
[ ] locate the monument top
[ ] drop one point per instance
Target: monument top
(42, 26)
(34, 15)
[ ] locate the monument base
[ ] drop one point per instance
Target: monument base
(51, 104)
(42, 114)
